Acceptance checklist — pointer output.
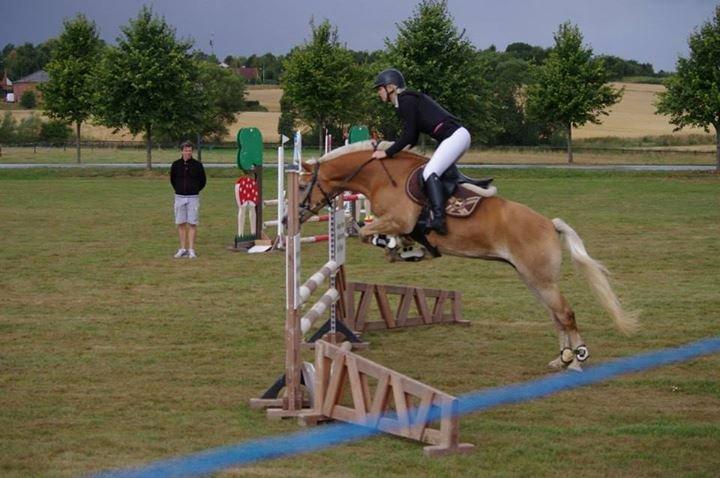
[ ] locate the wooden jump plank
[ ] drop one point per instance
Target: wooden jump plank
(384, 306)
(422, 308)
(438, 308)
(404, 306)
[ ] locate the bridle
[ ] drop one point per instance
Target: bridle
(328, 197)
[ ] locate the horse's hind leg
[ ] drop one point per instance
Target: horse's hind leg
(542, 281)
(572, 348)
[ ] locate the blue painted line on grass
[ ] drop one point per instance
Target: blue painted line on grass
(340, 433)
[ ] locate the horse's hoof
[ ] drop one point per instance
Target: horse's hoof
(557, 364)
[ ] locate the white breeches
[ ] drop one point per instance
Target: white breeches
(448, 152)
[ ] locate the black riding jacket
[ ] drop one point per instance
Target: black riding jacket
(421, 114)
(187, 177)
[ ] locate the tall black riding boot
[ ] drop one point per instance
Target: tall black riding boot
(434, 191)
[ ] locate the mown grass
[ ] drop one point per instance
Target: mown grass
(112, 353)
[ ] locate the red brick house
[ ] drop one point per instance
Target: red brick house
(250, 74)
(30, 83)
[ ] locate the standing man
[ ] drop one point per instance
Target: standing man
(187, 177)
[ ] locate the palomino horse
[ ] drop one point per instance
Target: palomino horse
(499, 229)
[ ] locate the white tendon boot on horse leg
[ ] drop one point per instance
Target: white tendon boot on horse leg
(570, 357)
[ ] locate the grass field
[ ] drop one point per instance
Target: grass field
(112, 353)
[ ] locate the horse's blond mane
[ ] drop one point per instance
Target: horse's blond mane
(350, 148)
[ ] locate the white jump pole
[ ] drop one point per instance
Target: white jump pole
(281, 189)
(297, 150)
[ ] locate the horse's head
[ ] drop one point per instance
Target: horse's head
(342, 169)
(316, 192)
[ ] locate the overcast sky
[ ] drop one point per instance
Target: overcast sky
(649, 31)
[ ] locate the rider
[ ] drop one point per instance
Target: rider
(419, 113)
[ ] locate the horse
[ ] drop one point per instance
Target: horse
(498, 230)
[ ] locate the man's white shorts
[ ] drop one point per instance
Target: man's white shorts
(187, 209)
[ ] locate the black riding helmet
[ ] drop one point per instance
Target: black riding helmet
(391, 76)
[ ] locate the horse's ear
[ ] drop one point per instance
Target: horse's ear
(307, 167)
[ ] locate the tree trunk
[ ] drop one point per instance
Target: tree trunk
(569, 144)
(199, 148)
(321, 134)
(77, 141)
(148, 165)
(717, 148)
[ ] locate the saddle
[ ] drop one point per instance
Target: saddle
(463, 196)
(463, 193)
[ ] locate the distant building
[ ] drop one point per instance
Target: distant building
(250, 74)
(29, 83)
(6, 84)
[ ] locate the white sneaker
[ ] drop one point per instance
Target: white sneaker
(191, 254)
(180, 253)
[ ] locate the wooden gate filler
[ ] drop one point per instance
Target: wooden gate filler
(343, 385)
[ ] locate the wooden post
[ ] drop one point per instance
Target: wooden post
(259, 206)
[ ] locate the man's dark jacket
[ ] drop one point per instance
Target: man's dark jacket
(187, 177)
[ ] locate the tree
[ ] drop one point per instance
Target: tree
(221, 95)
(55, 131)
(322, 81)
(28, 100)
(529, 53)
(27, 58)
(68, 93)
(288, 117)
(692, 97)
(570, 88)
(509, 76)
(149, 81)
(28, 130)
(8, 128)
(438, 60)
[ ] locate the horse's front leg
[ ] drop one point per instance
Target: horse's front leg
(387, 225)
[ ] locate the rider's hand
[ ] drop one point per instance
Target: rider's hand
(379, 154)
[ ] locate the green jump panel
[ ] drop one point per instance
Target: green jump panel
(358, 133)
(250, 148)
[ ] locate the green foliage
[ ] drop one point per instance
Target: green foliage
(509, 75)
(8, 125)
(617, 68)
(438, 60)
(149, 81)
(28, 100)
(220, 94)
(68, 92)
(528, 53)
(692, 97)
(55, 131)
(322, 81)
(288, 117)
(570, 88)
(27, 58)
(28, 130)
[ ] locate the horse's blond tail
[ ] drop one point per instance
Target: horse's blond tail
(597, 276)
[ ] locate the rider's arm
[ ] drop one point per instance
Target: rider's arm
(407, 111)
